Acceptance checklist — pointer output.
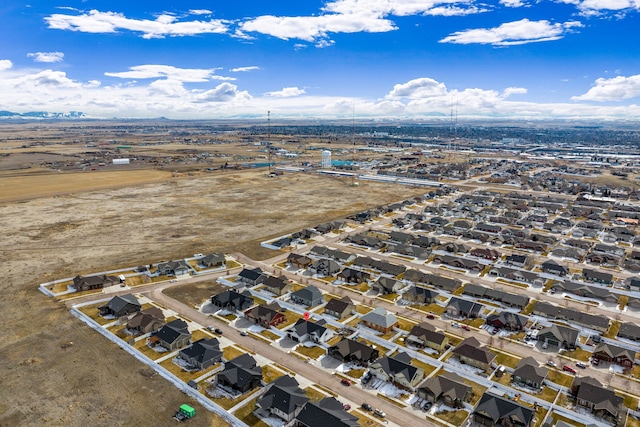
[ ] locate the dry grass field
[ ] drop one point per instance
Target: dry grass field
(57, 371)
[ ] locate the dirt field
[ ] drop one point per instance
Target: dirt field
(57, 371)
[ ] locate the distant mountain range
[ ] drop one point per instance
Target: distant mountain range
(41, 115)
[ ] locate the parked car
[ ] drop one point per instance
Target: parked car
(581, 365)
(545, 344)
(466, 328)
(568, 368)
(366, 378)
(596, 339)
(427, 406)
(455, 325)
(367, 407)
(244, 333)
(551, 363)
(430, 316)
(378, 413)
(346, 406)
(595, 361)
(218, 331)
(345, 382)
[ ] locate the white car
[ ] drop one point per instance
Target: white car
(545, 344)
(551, 363)
(455, 325)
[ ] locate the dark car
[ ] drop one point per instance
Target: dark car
(345, 382)
(218, 331)
(366, 378)
(568, 368)
(431, 316)
(367, 407)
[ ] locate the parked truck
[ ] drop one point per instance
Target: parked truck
(184, 412)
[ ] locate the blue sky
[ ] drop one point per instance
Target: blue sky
(383, 59)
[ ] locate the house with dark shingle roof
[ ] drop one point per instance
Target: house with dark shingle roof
(494, 410)
(308, 296)
(558, 335)
(507, 320)
(470, 352)
(351, 351)
(602, 402)
(462, 308)
(325, 267)
(88, 283)
(277, 285)
(387, 285)
(213, 261)
(529, 373)
(448, 388)
(327, 412)
(425, 335)
(307, 330)
(614, 354)
(121, 305)
(397, 370)
(173, 268)
(251, 277)
(299, 261)
(552, 267)
(232, 300)
(284, 398)
(630, 331)
(240, 374)
(266, 315)
(379, 319)
(421, 295)
(597, 276)
(340, 308)
(202, 353)
(351, 275)
(173, 335)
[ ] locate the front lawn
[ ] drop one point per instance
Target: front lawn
(311, 352)
(230, 352)
(453, 417)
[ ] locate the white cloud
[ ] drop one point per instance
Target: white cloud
(597, 7)
(5, 64)
(200, 12)
(224, 92)
(168, 72)
(614, 89)
(513, 33)
(513, 3)
(111, 22)
(418, 88)
(46, 56)
(514, 91)
(244, 69)
(286, 92)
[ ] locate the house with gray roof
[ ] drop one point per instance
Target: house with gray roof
(530, 373)
(284, 398)
(325, 267)
(630, 331)
(614, 354)
(232, 300)
(558, 335)
(214, 260)
(603, 402)
(387, 285)
(420, 295)
(398, 371)
(308, 296)
(597, 276)
(121, 305)
(470, 351)
(495, 410)
(173, 268)
(340, 308)
(327, 412)
(277, 285)
(448, 388)
(352, 351)
(461, 308)
(425, 335)
(307, 330)
(379, 319)
(507, 320)
(202, 353)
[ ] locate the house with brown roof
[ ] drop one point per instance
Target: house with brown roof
(630, 331)
(266, 315)
(614, 354)
(352, 351)
(397, 370)
(603, 402)
(325, 267)
(387, 285)
(530, 373)
(299, 261)
(420, 295)
(470, 352)
(494, 410)
(173, 335)
(146, 321)
(340, 308)
(277, 285)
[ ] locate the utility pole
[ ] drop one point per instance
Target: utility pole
(269, 139)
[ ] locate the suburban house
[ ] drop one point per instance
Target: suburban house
(558, 335)
(630, 331)
(306, 330)
(470, 352)
(308, 296)
(120, 306)
(284, 398)
(458, 308)
(424, 335)
(494, 410)
(251, 277)
(351, 275)
(173, 268)
(334, 254)
(355, 352)
(398, 371)
(448, 388)
(327, 412)
(299, 261)
(387, 285)
(173, 335)
(88, 283)
(213, 261)
(379, 320)
(325, 267)
(266, 315)
(517, 275)
(240, 374)
(517, 260)
(420, 295)
(146, 321)
(509, 299)
(553, 267)
(530, 373)
(232, 300)
(580, 318)
(277, 285)
(486, 253)
(203, 353)
(597, 276)
(507, 320)
(340, 308)
(602, 402)
(614, 354)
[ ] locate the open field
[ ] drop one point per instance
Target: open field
(89, 381)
